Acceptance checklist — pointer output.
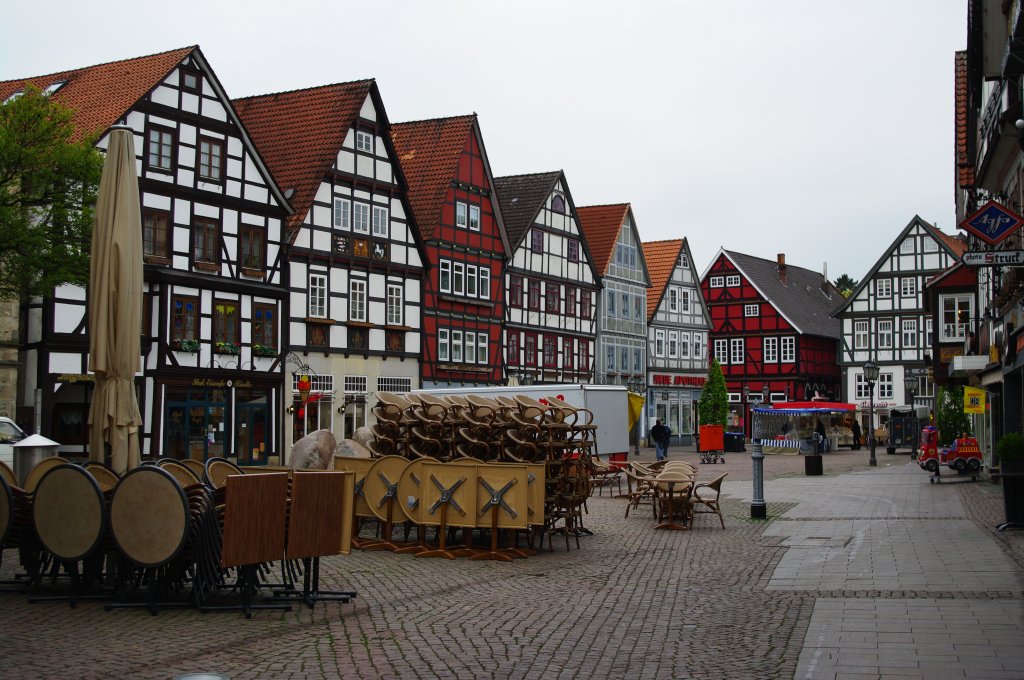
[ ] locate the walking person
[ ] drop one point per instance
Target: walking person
(856, 434)
(661, 435)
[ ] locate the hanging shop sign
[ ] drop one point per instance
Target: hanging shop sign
(995, 258)
(992, 223)
(974, 400)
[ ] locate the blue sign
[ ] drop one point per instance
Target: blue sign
(992, 223)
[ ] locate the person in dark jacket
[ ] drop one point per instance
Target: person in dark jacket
(855, 428)
(819, 429)
(661, 435)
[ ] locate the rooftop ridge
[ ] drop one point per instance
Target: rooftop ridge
(304, 90)
(188, 48)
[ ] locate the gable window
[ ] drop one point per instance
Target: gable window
(930, 246)
(673, 344)
(910, 333)
(736, 351)
(395, 304)
(533, 301)
(626, 249)
(251, 255)
(573, 250)
(361, 224)
(155, 232)
(558, 205)
(908, 286)
(380, 221)
(474, 218)
(684, 262)
(184, 317)
(788, 349)
(206, 241)
(189, 81)
(264, 326)
(342, 213)
(160, 149)
(717, 281)
(659, 342)
(751, 310)
(226, 323)
(884, 334)
(512, 351)
(211, 159)
(364, 141)
(771, 350)
(732, 280)
(908, 245)
(722, 351)
(537, 240)
(515, 291)
(957, 311)
(883, 288)
(443, 353)
(860, 334)
(461, 215)
(317, 296)
(445, 276)
(357, 300)
(552, 298)
(673, 300)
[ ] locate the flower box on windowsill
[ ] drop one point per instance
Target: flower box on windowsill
(182, 345)
(264, 351)
(227, 348)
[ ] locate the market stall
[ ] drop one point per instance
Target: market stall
(806, 426)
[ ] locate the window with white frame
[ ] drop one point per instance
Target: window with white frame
(684, 301)
(659, 342)
(456, 346)
(364, 141)
(931, 245)
(771, 350)
(722, 351)
(885, 385)
(683, 261)
(537, 240)
(445, 276)
(484, 286)
(673, 300)
(929, 331)
(885, 334)
(471, 280)
(396, 385)
(609, 358)
(395, 304)
(957, 311)
(883, 288)
(361, 218)
(342, 213)
(732, 280)
(860, 334)
(443, 346)
(862, 388)
(673, 344)
(355, 384)
(717, 281)
(357, 300)
(684, 345)
(474, 218)
(458, 278)
(317, 296)
(380, 221)
(698, 345)
(751, 310)
(925, 387)
(788, 354)
(469, 355)
(481, 348)
(461, 214)
(736, 351)
(907, 246)
(572, 250)
(910, 333)
(908, 286)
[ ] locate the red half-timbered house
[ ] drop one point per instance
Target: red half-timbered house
(771, 323)
(452, 197)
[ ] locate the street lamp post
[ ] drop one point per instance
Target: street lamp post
(746, 409)
(871, 377)
(910, 387)
(758, 507)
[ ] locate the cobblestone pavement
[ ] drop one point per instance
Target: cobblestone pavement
(850, 575)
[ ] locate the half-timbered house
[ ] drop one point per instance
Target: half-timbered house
(771, 324)
(213, 222)
(678, 325)
(884, 320)
(355, 260)
(452, 197)
(551, 282)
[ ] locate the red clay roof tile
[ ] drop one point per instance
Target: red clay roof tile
(964, 164)
(600, 225)
(661, 258)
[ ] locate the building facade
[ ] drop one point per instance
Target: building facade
(451, 190)
(678, 325)
(550, 280)
(355, 264)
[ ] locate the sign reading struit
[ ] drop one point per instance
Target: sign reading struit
(994, 258)
(992, 223)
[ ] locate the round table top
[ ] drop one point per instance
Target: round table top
(149, 516)
(69, 512)
(375, 488)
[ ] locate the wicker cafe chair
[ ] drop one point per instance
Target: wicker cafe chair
(34, 475)
(640, 485)
(184, 474)
(672, 491)
(604, 474)
(706, 496)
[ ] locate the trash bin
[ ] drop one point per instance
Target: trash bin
(812, 465)
(29, 451)
(734, 442)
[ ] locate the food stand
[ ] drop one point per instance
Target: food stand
(794, 425)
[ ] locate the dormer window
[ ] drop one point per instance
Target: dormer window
(558, 205)
(14, 96)
(54, 86)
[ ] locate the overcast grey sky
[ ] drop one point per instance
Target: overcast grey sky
(817, 128)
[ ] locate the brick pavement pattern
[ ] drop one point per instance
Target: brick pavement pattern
(754, 600)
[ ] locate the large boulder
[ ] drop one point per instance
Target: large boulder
(363, 435)
(315, 451)
(350, 448)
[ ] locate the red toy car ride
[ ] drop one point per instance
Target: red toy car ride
(964, 456)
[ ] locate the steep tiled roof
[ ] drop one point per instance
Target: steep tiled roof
(299, 134)
(964, 163)
(958, 246)
(521, 197)
(798, 295)
(661, 257)
(601, 224)
(100, 95)
(429, 151)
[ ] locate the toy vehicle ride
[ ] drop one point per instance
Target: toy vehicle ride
(964, 456)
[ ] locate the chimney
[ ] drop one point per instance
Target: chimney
(782, 266)
(826, 288)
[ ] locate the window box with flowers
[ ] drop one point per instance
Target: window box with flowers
(185, 345)
(264, 350)
(228, 348)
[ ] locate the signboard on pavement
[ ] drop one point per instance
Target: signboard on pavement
(994, 258)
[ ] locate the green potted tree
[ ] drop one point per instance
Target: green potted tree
(712, 410)
(1010, 449)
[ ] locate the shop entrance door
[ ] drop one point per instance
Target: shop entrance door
(194, 423)
(355, 417)
(252, 431)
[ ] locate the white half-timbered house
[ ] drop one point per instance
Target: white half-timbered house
(884, 319)
(213, 221)
(678, 325)
(355, 264)
(551, 282)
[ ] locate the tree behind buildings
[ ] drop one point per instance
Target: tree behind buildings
(48, 183)
(949, 414)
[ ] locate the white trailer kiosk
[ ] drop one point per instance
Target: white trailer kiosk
(608, 403)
